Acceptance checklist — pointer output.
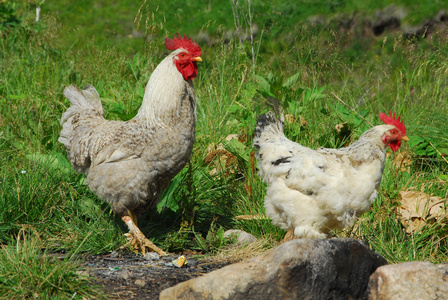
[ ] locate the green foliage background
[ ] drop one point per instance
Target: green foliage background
(292, 61)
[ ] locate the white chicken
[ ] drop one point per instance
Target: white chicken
(129, 164)
(311, 191)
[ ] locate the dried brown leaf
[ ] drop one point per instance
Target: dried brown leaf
(302, 121)
(403, 161)
(290, 118)
(418, 208)
(220, 157)
(251, 217)
(232, 136)
(339, 127)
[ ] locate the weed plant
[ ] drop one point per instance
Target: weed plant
(289, 65)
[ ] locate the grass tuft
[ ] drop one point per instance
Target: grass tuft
(28, 272)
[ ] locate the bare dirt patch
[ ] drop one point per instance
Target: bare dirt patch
(130, 276)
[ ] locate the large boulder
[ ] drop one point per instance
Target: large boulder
(298, 269)
(412, 280)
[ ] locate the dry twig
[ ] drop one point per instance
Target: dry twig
(438, 152)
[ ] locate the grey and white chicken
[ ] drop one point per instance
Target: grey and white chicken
(311, 192)
(129, 164)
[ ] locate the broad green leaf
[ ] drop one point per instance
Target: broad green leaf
(264, 84)
(443, 177)
(168, 199)
(200, 240)
(238, 149)
(53, 161)
(291, 80)
(414, 140)
(140, 91)
(234, 108)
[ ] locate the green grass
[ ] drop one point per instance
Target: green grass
(45, 205)
(28, 273)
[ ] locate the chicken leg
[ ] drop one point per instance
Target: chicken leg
(140, 242)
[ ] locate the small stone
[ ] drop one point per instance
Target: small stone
(114, 254)
(82, 273)
(243, 237)
(192, 263)
(152, 256)
(125, 274)
(140, 283)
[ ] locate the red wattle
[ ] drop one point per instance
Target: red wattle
(188, 70)
(395, 146)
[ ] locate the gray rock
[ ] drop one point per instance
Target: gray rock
(125, 274)
(140, 283)
(388, 19)
(412, 280)
(152, 256)
(298, 269)
(243, 236)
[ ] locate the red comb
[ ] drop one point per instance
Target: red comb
(185, 43)
(390, 120)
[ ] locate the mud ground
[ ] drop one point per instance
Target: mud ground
(128, 276)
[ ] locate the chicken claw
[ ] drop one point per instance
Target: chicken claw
(139, 242)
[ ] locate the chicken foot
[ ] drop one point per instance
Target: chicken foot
(139, 241)
(304, 232)
(289, 236)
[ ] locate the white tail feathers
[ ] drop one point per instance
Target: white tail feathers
(82, 101)
(268, 126)
(85, 103)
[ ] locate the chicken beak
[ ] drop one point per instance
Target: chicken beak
(405, 138)
(197, 58)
